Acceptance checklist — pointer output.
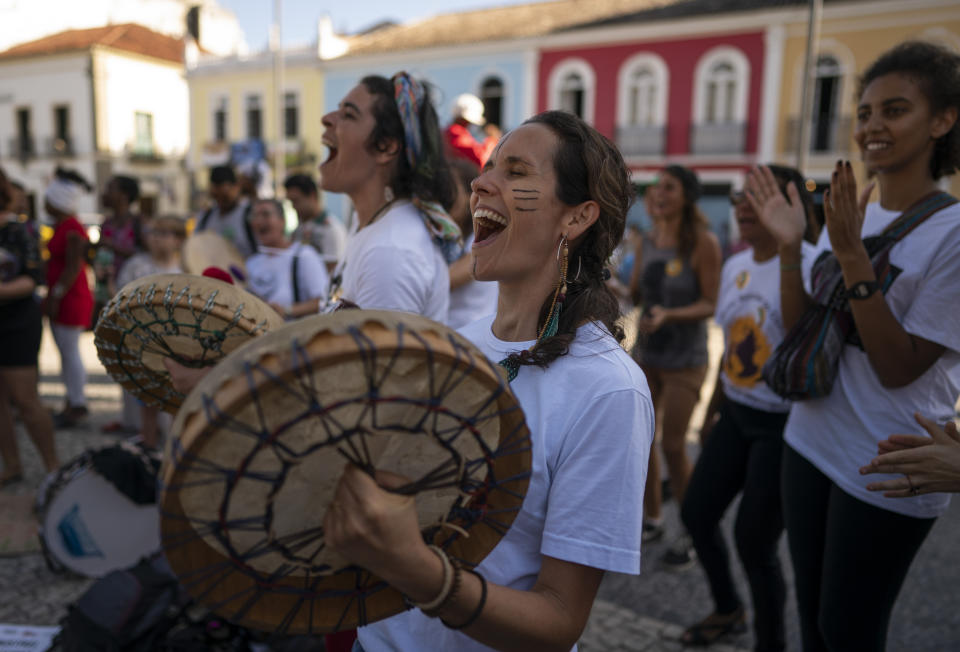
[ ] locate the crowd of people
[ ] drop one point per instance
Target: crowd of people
(838, 351)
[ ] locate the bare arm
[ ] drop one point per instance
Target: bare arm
(897, 357)
(21, 286)
(378, 530)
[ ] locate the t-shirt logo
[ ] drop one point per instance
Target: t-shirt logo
(742, 279)
(674, 267)
(747, 351)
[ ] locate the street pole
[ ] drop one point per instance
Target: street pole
(279, 149)
(809, 79)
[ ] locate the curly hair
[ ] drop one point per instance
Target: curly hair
(936, 71)
(588, 167)
(431, 180)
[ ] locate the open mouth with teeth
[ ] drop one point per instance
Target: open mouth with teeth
(487, 224)
(331, 152)
(876, 146)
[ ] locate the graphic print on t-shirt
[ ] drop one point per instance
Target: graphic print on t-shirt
(747, 349)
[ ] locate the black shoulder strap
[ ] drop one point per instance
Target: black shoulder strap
(918, 213)
(204, 219)
(248, 229)
(296, 280)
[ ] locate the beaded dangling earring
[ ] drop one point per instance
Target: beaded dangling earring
(512, 362)
(387, 194)
(553, 317)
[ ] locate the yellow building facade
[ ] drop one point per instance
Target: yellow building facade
(236, 101)
(852, 35)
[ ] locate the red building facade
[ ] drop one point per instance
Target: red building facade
(694, 100)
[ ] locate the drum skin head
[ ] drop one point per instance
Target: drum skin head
(210, 249)
(194, 320)
(263, 439)
(87, 525)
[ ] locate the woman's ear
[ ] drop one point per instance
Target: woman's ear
(580, 218)
(943, 122)
(386, 154)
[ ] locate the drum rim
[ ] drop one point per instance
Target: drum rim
(379, 600)
(258, 318)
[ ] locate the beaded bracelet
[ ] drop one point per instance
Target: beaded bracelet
(447, 587)
(457, 582)
(476, 613)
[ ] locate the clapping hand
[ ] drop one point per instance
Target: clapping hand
(928, 464)
(785, 220)
(844, 211)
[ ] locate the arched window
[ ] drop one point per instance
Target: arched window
(491, 93)
(826, 94)
(571, 88)
(642, 105)
(722, 81)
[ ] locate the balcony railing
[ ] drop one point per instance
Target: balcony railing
(60, 147)
(144, 153)
(826, 136)
(641, 140)
(23, 148)
(722, 138)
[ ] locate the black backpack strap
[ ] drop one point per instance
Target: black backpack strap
(296, 280)
(204, 219)
(248, 229)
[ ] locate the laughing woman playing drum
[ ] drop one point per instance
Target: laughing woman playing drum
(548, 208)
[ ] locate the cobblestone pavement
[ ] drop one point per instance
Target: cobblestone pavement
(632, 614)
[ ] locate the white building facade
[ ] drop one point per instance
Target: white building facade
(101, 111)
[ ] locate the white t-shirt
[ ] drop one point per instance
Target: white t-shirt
(839, 433)
(143, 264)
(328, 237)
(270, 273)
(231, 226)
(748, 310)
(591, 426)
(473, 300)
(393, 264)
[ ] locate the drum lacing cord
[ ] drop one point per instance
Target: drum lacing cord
(473, 477)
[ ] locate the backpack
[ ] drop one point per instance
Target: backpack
(128, 610)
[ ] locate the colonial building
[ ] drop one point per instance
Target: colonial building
(107, 100)
(235, 105)
(491, 53)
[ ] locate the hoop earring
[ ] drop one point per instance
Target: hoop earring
(576, 276)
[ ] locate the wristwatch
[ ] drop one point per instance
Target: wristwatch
(861, 290)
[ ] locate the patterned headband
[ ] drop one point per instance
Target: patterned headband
(409, 95)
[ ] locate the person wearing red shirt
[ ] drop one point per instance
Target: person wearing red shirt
(468, 110)
(69, 303)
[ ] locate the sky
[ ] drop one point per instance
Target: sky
(300, 17)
